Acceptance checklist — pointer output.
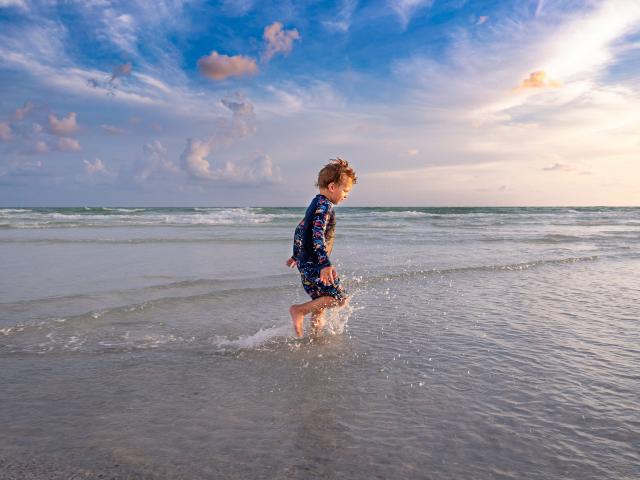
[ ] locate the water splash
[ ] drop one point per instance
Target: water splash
(261, 337)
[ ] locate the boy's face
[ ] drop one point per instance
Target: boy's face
(339, 191)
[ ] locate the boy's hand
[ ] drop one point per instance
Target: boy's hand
(291, 262)
(328, 275)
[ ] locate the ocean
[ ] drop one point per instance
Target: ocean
(480, 343)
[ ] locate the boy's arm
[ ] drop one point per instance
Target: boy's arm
(298, 238)
(320, 219)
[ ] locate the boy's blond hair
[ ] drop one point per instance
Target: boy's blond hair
(335, 171)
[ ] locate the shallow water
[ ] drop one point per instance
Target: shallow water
(480, 343)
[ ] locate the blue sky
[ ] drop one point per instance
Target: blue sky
(435, 102)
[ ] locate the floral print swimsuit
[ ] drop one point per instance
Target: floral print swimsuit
(312, 244)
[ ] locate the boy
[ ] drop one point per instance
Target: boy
(312, 244)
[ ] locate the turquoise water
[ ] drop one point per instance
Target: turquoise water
(480, 343)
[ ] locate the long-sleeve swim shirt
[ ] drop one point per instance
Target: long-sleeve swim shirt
(313, 239)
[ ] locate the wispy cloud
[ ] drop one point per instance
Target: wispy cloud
(290, 98)
(44, 47)
(540, 7)
(237, 7)
(74, 80)
(41, 41)
(584, 47)
(406, 9)
(558, 167)
(121, 30)
(111, 129)
(21, 4)
(342, 18)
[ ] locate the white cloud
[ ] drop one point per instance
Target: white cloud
(194, 159)
(63, 126)
(259, 171)
(66, 144)
(196, 162)
(278, 40)
(221, 67)
(94, 168)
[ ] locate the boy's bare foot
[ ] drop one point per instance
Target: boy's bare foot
(298, 319)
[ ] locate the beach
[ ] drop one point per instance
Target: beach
(480, 343)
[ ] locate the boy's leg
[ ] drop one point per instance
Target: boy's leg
(318, 317)
(317, 305)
